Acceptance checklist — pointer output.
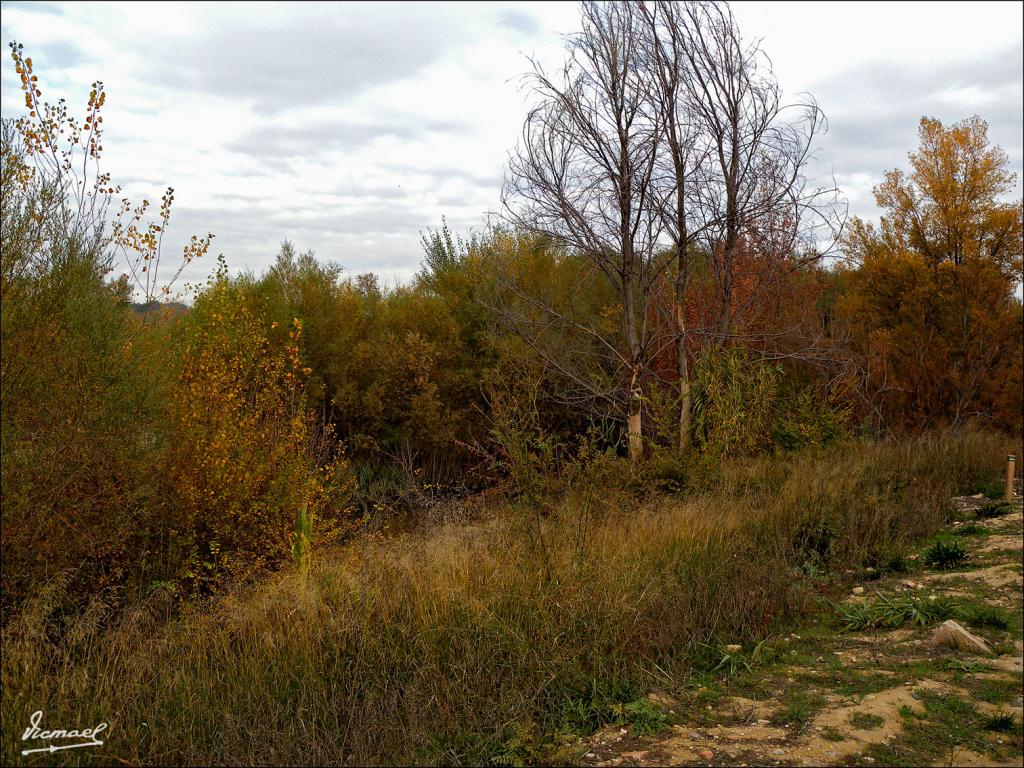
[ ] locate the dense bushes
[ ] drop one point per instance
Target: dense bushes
(137, 449)
(248, 453)
(140, 449)
(82, 398)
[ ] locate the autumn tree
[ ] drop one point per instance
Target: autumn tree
(931, 299)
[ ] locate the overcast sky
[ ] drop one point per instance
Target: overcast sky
(350, 128)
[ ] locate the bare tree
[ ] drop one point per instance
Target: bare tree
(665, 133)
(735, 159)
(582, 174)
(759, 148)
(682, 160)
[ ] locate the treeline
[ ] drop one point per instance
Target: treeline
(146, 449)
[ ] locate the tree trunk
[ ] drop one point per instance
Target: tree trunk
(684, 377)
(634, 393)
(636, 442)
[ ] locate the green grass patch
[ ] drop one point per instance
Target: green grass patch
(800, 705)
(865, 721)
(641, 716)
(994, 690)
(946, 723)
(831, 733)
(992, 510)
(982, 615)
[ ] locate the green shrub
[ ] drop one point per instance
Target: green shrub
(808, 420)
(643, 717)
(985, 616)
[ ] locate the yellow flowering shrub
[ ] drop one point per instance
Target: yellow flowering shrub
(250, 453)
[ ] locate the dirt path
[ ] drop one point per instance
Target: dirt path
(875, 697)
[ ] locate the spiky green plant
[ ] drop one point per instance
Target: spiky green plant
(946, 555)
(993, 509)
(1000, 722)
(891, 613)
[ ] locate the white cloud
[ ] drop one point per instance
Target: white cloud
(349, 128)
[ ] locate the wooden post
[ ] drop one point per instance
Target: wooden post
(1010, 465)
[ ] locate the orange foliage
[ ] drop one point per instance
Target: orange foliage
(935, 324)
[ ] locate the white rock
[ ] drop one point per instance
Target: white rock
(952, 635)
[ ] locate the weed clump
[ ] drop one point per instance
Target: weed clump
(993, 509)
(1001, 722)
(946, 555)
(892, 613)
(866, 721)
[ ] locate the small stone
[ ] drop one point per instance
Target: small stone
(867, 759)
(915, 696)
(858, 590)
(635, 755)
(707, 754)
(661, 699)
(778, 751)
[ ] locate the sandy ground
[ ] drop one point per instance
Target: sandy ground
(749, 731)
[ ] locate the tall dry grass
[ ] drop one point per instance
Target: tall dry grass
(440, 647)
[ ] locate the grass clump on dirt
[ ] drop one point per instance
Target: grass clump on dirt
(992, 510)
(894, 612)
(866, 721)
(946, 555)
